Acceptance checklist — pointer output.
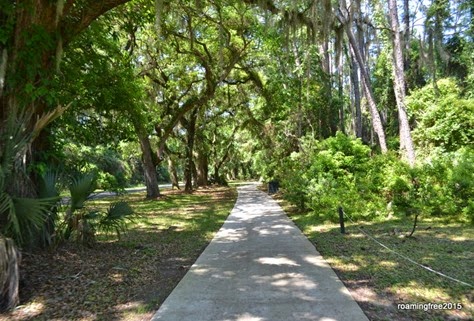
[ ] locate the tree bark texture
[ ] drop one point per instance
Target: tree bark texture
(357, 120)
(173, 172)
(376, 120)
(149, 168)
(9, 274)
(189, 162)
(406, 142)
(202, 169)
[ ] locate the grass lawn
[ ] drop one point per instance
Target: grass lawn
(124, 279)
(380, 280)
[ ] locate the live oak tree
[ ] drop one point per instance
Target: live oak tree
(34, 35)
(32, 39)
(217, 85)
(209, 42)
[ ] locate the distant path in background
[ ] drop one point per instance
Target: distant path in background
(99, 195)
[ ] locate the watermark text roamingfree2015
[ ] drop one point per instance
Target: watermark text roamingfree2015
(430, 306)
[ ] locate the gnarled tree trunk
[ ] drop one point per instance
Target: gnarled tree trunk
(9, 274)
(34, 35)
(173, 172)
(202, 169)
(149, 168)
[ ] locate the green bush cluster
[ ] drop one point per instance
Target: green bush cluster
(444, 118)
(340, 171)
(113, 173)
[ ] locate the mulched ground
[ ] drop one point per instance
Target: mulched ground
(125, 280)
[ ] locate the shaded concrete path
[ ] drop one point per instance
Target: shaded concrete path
(259, 267)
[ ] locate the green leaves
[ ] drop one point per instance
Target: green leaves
(116, 218)
(84, 222)
(327, 174)
(445, 119)
(24, 216)
(81, 187)
(21, 218)
(48, 184)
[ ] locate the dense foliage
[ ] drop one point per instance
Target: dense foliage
(340, 171)
(354, 104)
(445, 121)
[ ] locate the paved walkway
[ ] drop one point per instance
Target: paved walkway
(259, 267)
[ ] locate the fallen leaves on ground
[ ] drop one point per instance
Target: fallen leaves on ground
(126, 279)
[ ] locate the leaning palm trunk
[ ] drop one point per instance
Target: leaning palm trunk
(9, 274)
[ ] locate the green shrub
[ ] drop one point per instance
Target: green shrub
(462, 177)
(462, 182)
(445, 120)
(339, 171)
(109, 182)
(327, 174)
(293, 179)
(113, 173)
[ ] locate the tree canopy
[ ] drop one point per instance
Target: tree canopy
(324, 96)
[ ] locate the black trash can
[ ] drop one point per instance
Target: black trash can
(273, 187)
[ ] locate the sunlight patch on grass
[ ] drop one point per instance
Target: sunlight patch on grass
(365, 266)
(343, 265)
(416, 290)
(461, 238)
(388, 264)
(125, 278)
(355, 235)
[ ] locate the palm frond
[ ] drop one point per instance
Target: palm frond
(116, 218)
(80, 189)
(25, 216)
(47, 189)
(6, 208)
(48, 184)
(21, 218)
(119, 210)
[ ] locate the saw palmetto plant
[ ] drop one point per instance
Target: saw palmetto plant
(84, 222)
(23, 213)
